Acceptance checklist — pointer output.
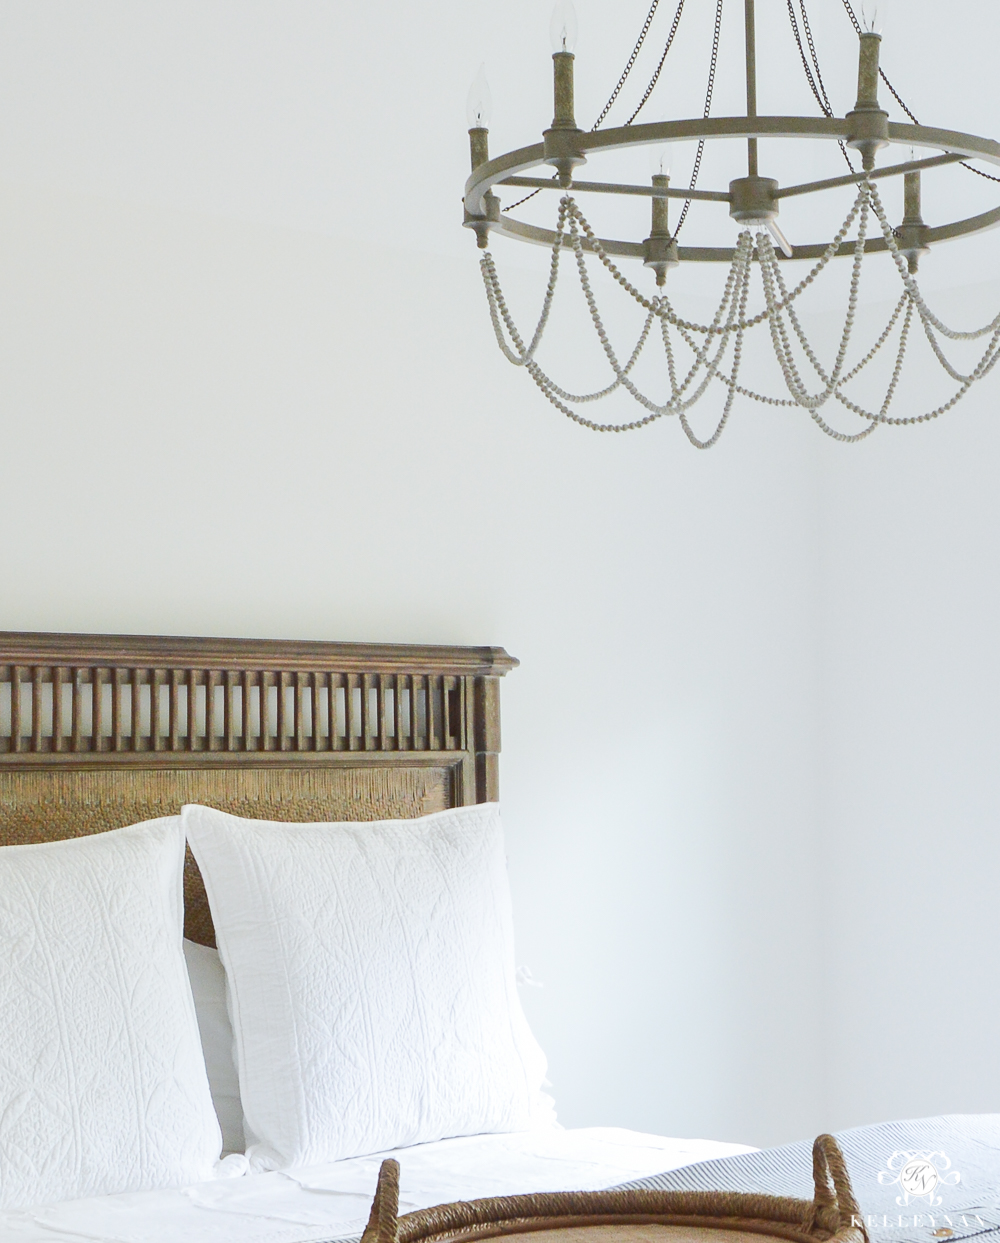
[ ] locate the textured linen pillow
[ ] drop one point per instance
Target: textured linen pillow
(208, 985)
(371, 981)
(102, 1080)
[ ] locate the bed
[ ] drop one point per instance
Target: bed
(97, 732)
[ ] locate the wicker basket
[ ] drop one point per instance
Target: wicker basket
(632, 1216)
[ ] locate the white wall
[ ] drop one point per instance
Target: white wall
(222, 428)
(248, 387)
(911, 784)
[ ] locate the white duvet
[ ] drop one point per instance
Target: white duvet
(332, 1201)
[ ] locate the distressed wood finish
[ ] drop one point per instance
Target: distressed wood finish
(98, 731)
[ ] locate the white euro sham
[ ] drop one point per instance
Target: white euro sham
(371, 979)
(102, 1080)
(208, 986)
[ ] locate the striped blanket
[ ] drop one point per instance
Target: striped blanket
(925, 1181)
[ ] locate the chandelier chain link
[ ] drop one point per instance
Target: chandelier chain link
(816, 82)
(709, 90)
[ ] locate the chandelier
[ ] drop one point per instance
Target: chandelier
(699, 358)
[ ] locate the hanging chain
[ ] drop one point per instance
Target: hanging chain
(656, 74)
(815, 80)
(708, 108)
(899, 99)
(631, 61)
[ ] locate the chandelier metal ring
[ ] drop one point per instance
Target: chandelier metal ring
(509, 170)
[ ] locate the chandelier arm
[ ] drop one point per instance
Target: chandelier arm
(608, 187)
(892, 170)
(723, 196)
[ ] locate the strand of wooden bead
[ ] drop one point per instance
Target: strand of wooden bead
(914, 289)
(779, 339)
(931, 414)
(806, 281)
(668, 350)
(886, 333)
(492, 294)
(495, 294)
(746, 241)
(578, 398)
(738, 273)
(739, 276)
(900, 355)
(834, 380)
(772, 277)
(737, 359)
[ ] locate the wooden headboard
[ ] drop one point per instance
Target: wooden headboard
(100, 731)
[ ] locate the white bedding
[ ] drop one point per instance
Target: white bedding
(332, 1201)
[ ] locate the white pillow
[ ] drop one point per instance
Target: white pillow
(208, 984)
(371, 981)
(102, 1080)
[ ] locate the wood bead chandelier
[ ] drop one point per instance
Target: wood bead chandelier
(705, 357)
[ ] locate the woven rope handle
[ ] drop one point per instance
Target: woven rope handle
(383, 1221)
(836, 1206)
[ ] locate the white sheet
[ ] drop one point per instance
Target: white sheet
(332, 1201)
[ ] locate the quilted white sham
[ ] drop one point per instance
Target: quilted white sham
(371, 977)
(102, 1080)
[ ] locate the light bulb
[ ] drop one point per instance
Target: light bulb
(562, 28)
(658, 162)
(873, 13)
(479, 105)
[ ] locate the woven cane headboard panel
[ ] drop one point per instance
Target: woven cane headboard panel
(100, 731)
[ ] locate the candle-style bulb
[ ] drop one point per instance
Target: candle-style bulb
(659, 163)
(563, 28)
(479, 105)
(873, 13)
